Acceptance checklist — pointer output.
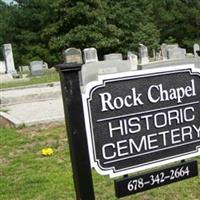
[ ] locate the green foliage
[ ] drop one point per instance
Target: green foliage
(178, 20)
(41, 30)
(5, 24)
(136, 24)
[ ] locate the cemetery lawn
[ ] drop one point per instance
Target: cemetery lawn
(26, 174)
(48, 77)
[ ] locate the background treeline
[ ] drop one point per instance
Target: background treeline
(41, 29)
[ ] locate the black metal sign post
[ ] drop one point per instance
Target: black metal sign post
(76, 130)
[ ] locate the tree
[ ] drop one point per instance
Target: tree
(6, 28)
(178, 20)
(31, 17)
(134, 19)
(43, 29)
(82, 24)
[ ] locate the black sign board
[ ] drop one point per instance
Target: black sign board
(133, 185)
(142, 119)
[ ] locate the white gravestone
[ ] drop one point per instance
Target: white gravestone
(143, 54)
(196, 49)
(2, 67)
(8, 57)
(164, 51)
(113, 56)
(90, 55)
(24, 69)
(133, 59)
(159, 55)
(90, 71)
(45, 66)
(36, 68)
(165, 48)
(176, 53)
(73, 55)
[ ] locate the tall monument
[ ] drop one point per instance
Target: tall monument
(9, 61)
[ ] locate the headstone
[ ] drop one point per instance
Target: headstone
(45, 66)
(24, 69)
(164, 51)
(90, 55)
(8, 57)
(113, 56)
(176, 53)
(36, 68)
(90, 71)
(196, 49)
(2, 67)
(73, 55)
(165, 48)
(159, 55)
(154, 54)
(133, 59)
(143, 54)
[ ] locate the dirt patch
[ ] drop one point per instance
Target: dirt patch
(3, 161)
(36, 130)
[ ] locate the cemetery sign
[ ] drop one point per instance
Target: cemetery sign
(142, 119)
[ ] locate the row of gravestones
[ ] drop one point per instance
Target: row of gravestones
(8, 67)
(114, 62)
(168, 52)
(73, 55)
(172, 51)
(36, 68)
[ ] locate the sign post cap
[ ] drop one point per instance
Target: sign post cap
(68, 67)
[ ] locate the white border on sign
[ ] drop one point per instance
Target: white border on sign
(102, 80)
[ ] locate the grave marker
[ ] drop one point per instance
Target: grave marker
(25, 69)
(176, 53)
(90, 55)
(196, 49)
(36, 68)
(2, 67)
(73, 55)
(143, 54)
(165, 48)
(9, 61)
(133, 59)
(90, 71)
(113, 56)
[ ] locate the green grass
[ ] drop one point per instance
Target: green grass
(27, 175)
(48, 77)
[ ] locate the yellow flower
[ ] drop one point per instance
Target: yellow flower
(47, 151)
